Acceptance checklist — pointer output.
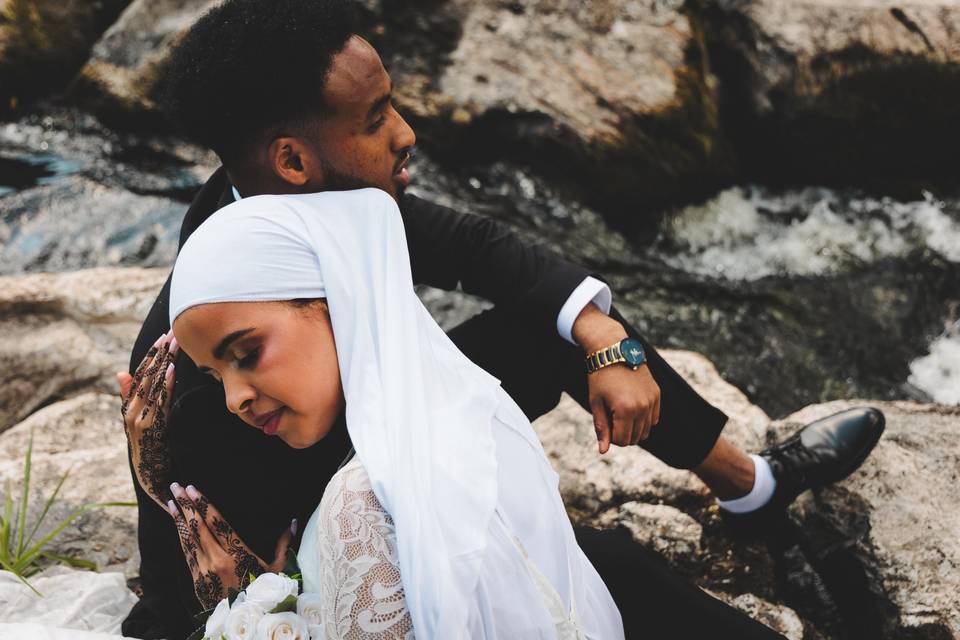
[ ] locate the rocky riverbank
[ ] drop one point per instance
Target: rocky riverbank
(878, 551)
(657, 101)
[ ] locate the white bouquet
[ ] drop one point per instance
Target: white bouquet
(270, 608)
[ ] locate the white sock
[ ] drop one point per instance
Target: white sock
(763, 485)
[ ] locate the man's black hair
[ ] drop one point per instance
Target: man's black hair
(252, 68)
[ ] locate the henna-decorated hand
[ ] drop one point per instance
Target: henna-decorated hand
(217, 557)
(145, 409)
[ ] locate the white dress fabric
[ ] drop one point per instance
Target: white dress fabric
(421, 415)
(348, 555)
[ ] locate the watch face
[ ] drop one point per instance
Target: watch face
(632, 352)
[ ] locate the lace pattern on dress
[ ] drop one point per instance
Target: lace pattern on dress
(359, 567)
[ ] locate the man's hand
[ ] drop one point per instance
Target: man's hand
(217, 557)
(145, 409)
(625, 403)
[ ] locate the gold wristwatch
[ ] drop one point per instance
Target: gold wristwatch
(628, 351)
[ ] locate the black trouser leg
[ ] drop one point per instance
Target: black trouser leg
(654, 601)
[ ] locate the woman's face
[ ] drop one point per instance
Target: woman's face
(277, 362)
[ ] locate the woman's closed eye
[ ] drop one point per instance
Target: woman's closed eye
(249, 360)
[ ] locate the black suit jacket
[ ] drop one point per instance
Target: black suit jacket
(259, 483)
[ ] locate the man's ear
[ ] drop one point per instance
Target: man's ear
(291, 161)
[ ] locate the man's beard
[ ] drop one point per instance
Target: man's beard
(337, 181)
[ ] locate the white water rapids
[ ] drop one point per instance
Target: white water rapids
(748, 233)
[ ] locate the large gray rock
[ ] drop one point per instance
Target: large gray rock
(122, 72)
(64, 333)
(898, 517)
(85, 436)
(44, 42)
(839, 91)
(615, 88)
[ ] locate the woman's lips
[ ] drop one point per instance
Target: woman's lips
(273, 423)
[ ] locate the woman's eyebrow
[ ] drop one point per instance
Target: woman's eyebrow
(229, 339)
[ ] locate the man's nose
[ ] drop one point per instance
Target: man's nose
(239, 394)
(404, 137)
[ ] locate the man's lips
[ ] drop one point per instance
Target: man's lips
(402, 174)
(270, 422)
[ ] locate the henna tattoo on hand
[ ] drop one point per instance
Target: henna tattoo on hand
(245, 562)
(209, 589)
(190, 546)
(152, 457)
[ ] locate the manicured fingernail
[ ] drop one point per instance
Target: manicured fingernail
(174, 345)
(176, 489)
(293, 526)
(169, 370)
(192, 492)
(159, 340)
(172, 508)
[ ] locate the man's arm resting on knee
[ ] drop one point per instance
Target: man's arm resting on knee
(625, 403)
(448, 248)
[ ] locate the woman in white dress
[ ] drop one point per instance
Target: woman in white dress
(448, 522)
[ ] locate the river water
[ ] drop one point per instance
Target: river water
(798, 295)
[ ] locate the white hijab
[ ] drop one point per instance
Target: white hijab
(418, 411)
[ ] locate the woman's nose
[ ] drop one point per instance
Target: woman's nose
(239, 394)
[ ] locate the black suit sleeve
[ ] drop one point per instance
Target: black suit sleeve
(488, 260)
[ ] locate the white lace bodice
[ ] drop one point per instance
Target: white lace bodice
(358, 566)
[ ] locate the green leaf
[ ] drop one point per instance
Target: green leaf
(7, 567)
(79, 563)
(232, 595)
(5, 526)
(287, 604)
(22, 516)
(46, 507)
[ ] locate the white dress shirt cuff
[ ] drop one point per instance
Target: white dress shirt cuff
(590, 290)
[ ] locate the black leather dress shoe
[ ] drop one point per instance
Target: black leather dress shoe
(821, 453)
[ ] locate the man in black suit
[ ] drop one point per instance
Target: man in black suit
(293, 101)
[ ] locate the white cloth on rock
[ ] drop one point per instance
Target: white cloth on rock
(73, 604)
(421, 415)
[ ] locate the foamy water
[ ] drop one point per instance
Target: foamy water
(938, 373)
(748, 233)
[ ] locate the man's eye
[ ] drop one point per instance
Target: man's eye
(250, 359)
(377, 124)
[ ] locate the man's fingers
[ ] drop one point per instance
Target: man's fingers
(622, 428)
(280, 555)
(601, 424)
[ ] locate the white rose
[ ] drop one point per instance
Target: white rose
(282, 626)
(308, 608)
(242, 622)
(215, 622)
(317, 632)
(270, 589)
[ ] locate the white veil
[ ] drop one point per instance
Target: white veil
(418, 411)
